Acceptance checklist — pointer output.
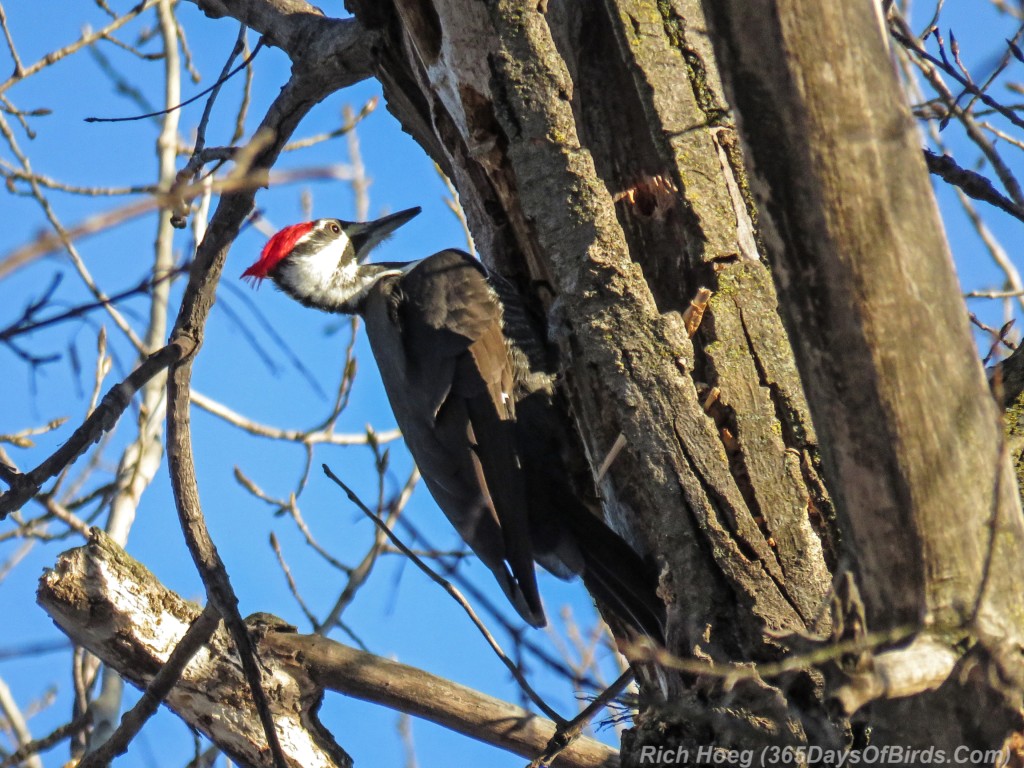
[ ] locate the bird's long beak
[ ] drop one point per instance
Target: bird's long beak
(367, 234)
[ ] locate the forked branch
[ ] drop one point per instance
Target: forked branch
(117, 609)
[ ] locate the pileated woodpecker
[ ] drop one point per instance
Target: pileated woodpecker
(472, 391)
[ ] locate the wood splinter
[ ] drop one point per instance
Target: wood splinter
(692, 314)
(613, 453)
(713, 395)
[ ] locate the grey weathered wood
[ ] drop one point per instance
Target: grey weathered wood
(113, 606)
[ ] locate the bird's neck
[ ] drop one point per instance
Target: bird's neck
(341, 290)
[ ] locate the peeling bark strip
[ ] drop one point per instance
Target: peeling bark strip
(112, 605)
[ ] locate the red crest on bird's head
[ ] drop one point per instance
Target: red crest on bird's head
(276, 249)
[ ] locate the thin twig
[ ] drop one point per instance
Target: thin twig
(449, 569)
(64, 240)
(18, 69)
(455, 594)
(455, 206)
(87, 39)
(912, 45)
(72, 189)
(131, 49)
(186, 52)
(91, 225)
(613, 454)
(184, 103)
(49, 741)
(361, 572)
(1017, 292)
(25, 324)
(315, 437)
(566, 733)
(995, 249)
(351, 121)
(16, 722)
(208, 562)
(195, 163)
(101, 420)
(360, 183)
(243, 107)
(930, 68)
(972, 184)
(292, 586)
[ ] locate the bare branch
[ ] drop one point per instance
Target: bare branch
(101, 420)
(46, 742)
(302, 31)
(973, 184)
(359, 574)
(335, 42)
(16, 721)
(18, 68)
(912, 45)
(314, 437)
(569, 732)
(923, 665)
(87, 39)
(447, 586)
(236, 182)
(112, 604)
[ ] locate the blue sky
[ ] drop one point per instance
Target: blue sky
(398, 614)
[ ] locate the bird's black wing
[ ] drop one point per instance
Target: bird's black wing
(452, 394)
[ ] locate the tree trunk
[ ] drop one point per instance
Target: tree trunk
(614, 192)
(597, 160)
(912, 441)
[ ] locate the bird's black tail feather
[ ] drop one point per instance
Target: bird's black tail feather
(617, 576)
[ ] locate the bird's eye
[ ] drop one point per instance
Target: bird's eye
(335, 229)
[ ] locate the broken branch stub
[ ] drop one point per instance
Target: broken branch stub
(112, 605)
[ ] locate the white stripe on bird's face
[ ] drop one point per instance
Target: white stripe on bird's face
(322, 270)
(321, 260)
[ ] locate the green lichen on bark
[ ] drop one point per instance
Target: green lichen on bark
(675, 30)
(1013, 421)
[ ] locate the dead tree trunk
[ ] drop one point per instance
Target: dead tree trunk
(927, 499)
(596, 155)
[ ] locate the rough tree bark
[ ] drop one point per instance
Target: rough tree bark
(593, 154)
(599, 165)
(925, 490)
(596, 156)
